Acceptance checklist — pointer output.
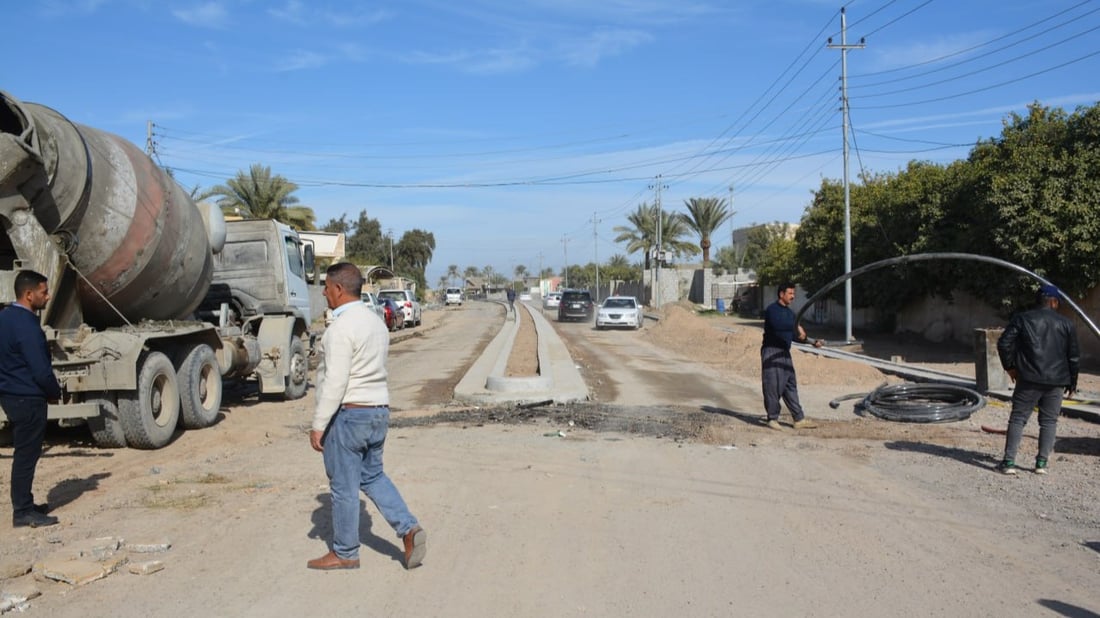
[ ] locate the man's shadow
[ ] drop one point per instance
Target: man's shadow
(322, 529)
(744, 417)
(974, 458)
(69, 490)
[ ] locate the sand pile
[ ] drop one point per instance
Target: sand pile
(735, 346)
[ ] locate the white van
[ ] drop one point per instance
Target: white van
(453, 296)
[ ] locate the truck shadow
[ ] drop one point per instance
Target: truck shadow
(322, 529)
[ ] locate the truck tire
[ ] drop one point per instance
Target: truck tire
(200, 383)
(297, 379)
(150, 413)
(107, 427)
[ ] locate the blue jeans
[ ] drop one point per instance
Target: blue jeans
(353, 461)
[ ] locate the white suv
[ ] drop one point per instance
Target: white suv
(453, 296)
(407, 302)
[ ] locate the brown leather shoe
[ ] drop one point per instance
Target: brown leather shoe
(331, 561)
(416, 545)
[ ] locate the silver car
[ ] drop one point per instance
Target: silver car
(621, 311)
(552, 300)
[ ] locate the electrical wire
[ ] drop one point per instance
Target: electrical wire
(919, 403)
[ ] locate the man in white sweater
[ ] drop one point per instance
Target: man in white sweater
(350, 422)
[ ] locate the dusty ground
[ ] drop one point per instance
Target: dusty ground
(639, 510)
(524, 360)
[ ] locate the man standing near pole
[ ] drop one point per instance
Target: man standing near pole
(1039, 350)
(776, 365)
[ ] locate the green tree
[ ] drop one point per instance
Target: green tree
(704, 216)
(412, 254)
(366, 245)
(618, 267)
(452, 273)
(641, 234)
(258, 194)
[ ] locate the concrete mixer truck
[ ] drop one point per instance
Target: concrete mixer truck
(154, 300)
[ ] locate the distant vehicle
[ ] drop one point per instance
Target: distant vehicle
(408, 303)
(453, 296)
(375, 305)
(622, 311)
(552, 300)
(392, 314)
(575, 305)
(372, 303)
(525, 296)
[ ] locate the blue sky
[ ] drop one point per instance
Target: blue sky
(506, 127)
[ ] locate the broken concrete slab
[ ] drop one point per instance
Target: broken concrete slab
(72, 572)
(146, 568)
(149, 547)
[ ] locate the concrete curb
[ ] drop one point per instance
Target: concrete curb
(558, 380)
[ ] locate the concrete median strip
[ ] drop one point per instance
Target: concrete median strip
(558, 379)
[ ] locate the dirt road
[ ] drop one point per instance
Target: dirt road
(859, 518)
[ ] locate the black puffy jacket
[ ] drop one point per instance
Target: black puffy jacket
(1041, 345)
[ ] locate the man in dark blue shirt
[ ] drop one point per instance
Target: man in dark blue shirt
(776, 365)
(27, 385)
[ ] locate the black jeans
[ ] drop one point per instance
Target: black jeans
(27, 416)
(1025, 397)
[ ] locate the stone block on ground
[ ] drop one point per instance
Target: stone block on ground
(72, 572)
(151, 547)
(13, 567)
(100, 548)
(146, 568)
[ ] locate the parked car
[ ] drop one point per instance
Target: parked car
(392, 314)
(408, 303)
(622, 311)
(552, 300)
(453, 296)
(375, 305)
(575, 305)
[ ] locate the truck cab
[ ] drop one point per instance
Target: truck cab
(243, 269)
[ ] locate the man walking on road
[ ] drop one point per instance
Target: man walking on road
(511, 294)
(776, 365)
(27, 386)
(350, 422)
(1039, 351)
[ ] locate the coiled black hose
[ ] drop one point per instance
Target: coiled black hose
(920, 403)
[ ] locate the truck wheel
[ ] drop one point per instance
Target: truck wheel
(150, 414)
(297, 379)
(107, 427)
(200, 383)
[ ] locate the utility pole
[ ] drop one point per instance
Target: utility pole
(733, 245)
(657, 186)
(391, 249)
(844, 47)
(150, 145)
(596, 254)
(565, 252)
(540, 273)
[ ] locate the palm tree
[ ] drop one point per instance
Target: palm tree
(641, 234)
(259, 195)
(520, 272)
(705, 214)
(452, 273)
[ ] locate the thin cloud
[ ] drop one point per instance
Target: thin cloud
(486, 61)
(302, 59)
(602, 44)
(894, 56)
(207, 15)
(298, 13)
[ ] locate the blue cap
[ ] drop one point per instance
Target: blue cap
(1049, 291)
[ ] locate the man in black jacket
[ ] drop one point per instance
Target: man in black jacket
(27, 385)
(1039, 351)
